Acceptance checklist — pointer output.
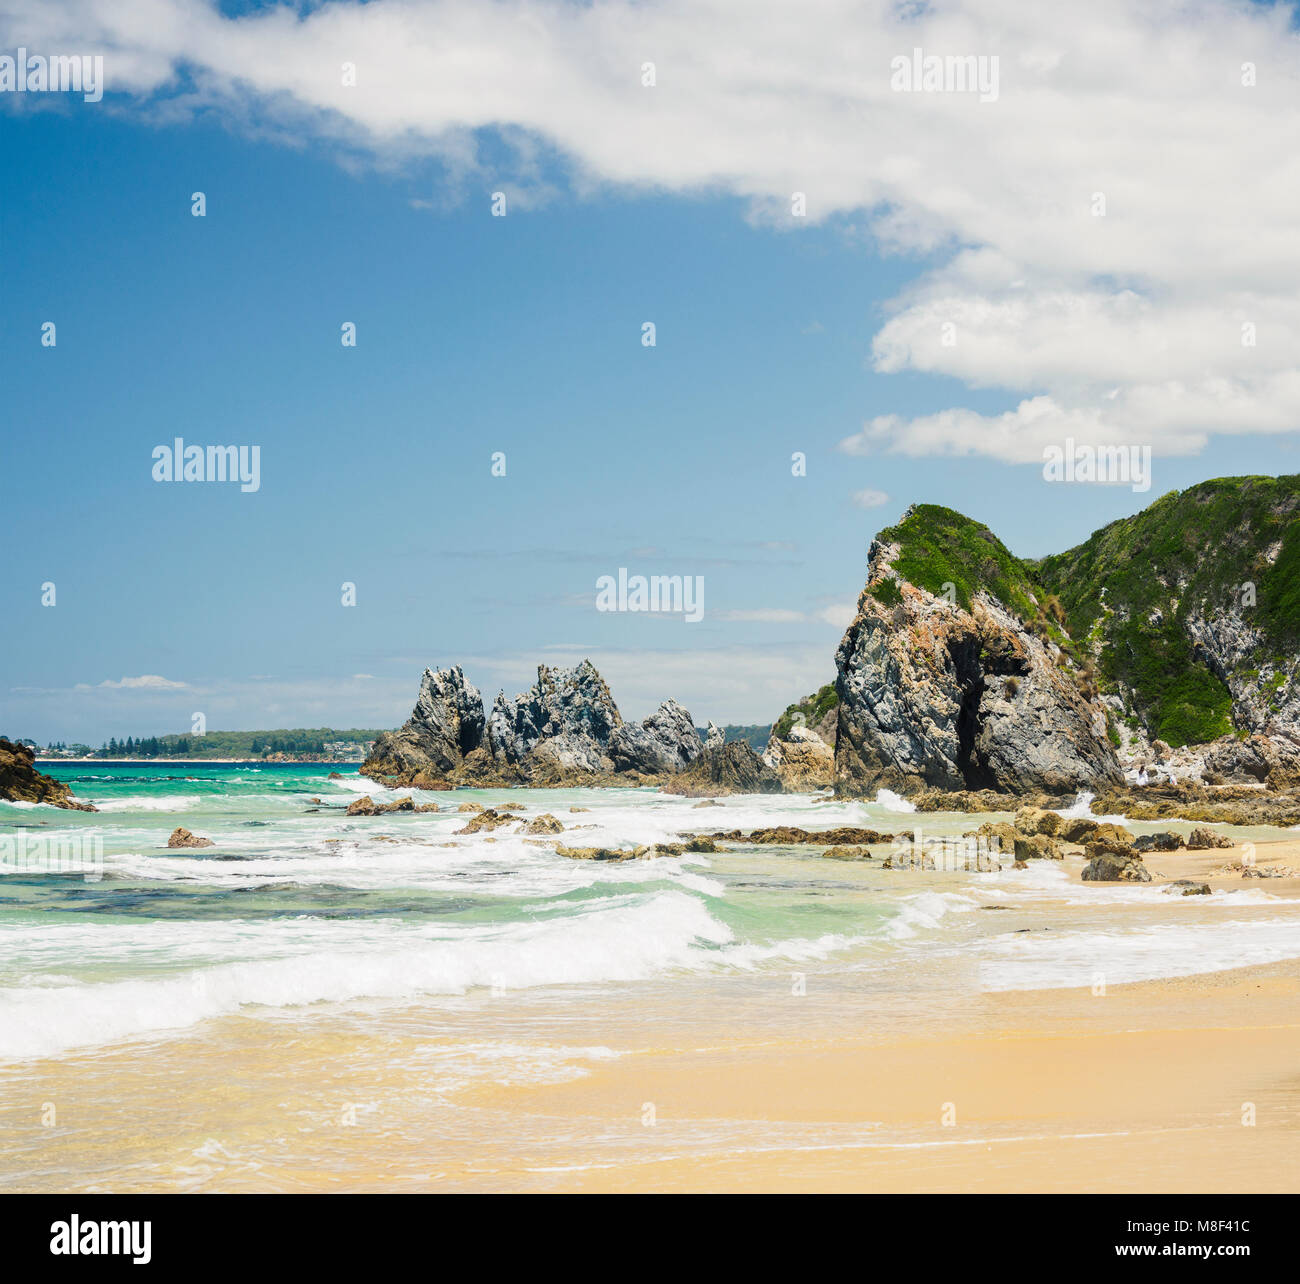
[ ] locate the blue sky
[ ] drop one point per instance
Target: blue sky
(475, 334)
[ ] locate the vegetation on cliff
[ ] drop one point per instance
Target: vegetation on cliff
(813, 710)
(939, 546)
(1129, 607)
(1227, 548)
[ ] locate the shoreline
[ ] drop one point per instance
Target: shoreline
(1174, 1085)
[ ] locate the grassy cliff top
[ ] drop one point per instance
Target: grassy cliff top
(940, 546)
(1201, 546)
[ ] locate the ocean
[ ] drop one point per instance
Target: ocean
(466, 963)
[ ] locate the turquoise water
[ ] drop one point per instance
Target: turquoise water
(298, 905)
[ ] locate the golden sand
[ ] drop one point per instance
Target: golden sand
(1190, 1084)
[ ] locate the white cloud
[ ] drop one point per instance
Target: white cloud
(841, 616)
(1122, 328)
(145, 682)
(869, 498)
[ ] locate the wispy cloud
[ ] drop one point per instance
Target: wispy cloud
(145, 682)
(869, 498)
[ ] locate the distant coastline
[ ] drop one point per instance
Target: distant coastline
(198, 762)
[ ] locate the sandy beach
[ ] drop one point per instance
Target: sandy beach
(793, 1079)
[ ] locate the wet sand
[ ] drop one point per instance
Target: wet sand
(704, 1084)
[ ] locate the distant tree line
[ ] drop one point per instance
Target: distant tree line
(305, 741)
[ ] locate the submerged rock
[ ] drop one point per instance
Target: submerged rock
(368, 807)
(602, 853)
(486, 819)
(1187, 888)
(793, 836)
(544, 824)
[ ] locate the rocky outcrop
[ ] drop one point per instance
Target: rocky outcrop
(564, 730)
(793, 836)
(714, 737)
(21, 782)
(801, 745)
(1225, 804)
(605, 853)
(663, 743)
(733, 769)
(445, 725)
(934, 694)
(367, 806)
(1258, 758)
(803, 760)
(561, 725)
(1200, 840)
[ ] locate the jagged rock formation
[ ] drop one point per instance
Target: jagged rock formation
(732, 769)
(445, 725)
(951, 688)
(1271, 760)
(715, 737)
(565, 729)
(21, 782)
(664, 742)
(562, 724)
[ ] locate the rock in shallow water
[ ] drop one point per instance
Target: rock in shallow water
(1111, 864)
(182, 837)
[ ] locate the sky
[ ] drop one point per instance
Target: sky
(949, 303)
